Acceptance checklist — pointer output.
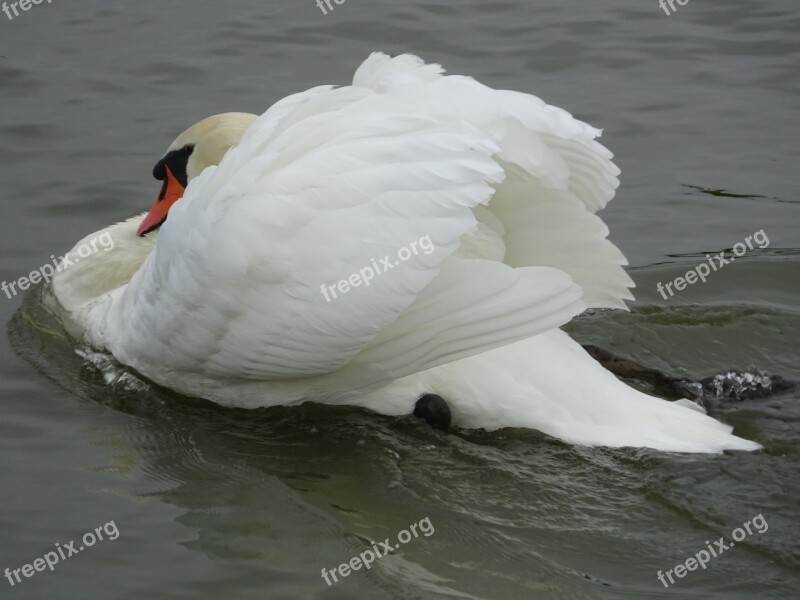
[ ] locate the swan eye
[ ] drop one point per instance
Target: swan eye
(177, 161)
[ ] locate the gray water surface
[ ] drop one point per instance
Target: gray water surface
(701, 110)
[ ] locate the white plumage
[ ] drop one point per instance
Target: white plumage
(227, 304)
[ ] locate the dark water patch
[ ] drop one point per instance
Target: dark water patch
(722, 193)
(16, 81)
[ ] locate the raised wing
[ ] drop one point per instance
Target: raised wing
(331, 182)
(557, 175)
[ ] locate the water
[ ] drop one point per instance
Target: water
(215, 503)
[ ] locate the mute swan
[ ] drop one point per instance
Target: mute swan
(216, 291)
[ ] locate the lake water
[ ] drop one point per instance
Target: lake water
(701, 109)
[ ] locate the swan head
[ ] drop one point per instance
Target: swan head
(201, 146)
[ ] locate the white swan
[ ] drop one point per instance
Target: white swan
(224, 302)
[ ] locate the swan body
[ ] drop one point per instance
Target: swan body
(222, 299)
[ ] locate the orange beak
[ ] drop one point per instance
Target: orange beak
(170, 194)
